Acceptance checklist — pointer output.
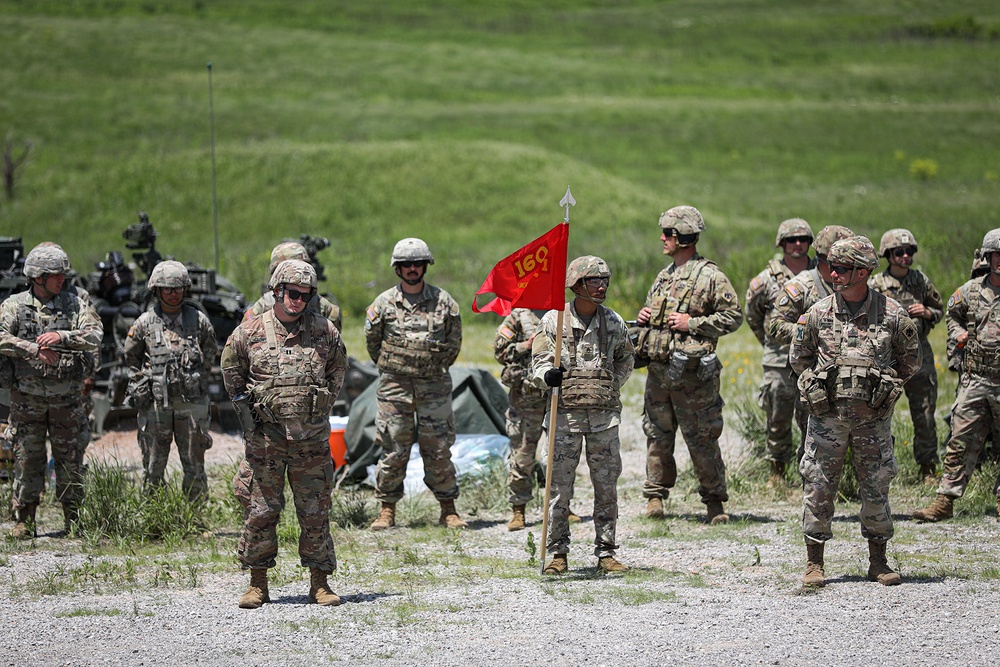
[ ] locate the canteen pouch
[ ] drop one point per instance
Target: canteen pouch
(640, 341)
(708, 367)
(887, 391)
(815, 396)
(678, 362)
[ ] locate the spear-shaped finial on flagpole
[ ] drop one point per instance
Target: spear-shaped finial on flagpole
(567, 201)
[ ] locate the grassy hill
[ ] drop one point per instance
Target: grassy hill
(463, 122)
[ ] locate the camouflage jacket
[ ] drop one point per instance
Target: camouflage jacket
(23, 318)
(308, 361)
(915, 287)
(328, 308)
(761, 295)
(422, 338)
(175, 353)
(512, 346)
(615, 355)
(797, 297)
(974, 308)
(700, 289)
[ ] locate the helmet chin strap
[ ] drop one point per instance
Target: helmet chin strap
(46, 290)
(587, 296)
(280, 301)
(850, 283)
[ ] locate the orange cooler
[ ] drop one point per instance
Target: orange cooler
(338, 446)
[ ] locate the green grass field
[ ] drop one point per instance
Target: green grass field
(463, 122)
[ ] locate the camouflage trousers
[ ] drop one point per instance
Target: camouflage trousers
(525, 415)
(974, 415)
(64, 422)
(921, 393)
(260, 488)
(780, 401)
(695, 406)
(187, 425)
(414, 410)
(605, 463)
(827, 440)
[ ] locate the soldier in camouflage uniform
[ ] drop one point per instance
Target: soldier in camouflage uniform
(689, 307)
(413, 332)
(853, 351)
(596, 359)
(170, 351)
(328, 308)
(973, 328)
(921, 299)
(283, 371)
(778, 393)
(50, 337)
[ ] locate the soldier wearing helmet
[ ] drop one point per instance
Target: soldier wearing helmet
(413, 332)
(689, 307)
(778, 393)
(597, 358)
(973, 319)
(52, 337)
(915, 292)
(283, 371)
(170, 351)
(853, 351)
(327, 307)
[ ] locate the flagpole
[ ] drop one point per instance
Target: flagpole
(566, 201)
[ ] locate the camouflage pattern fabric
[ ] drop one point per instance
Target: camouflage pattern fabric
(597, 428)
(921, 389)
(882, 336)
(47, 403)
(778, 393)
(974, 308)
(420, 339)
(310, 350)
(526, 403)
(797, 297)
(328, 308)
(691, 403)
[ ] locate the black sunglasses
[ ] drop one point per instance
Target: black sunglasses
(407, 265)
(906, 250)
(842, 270)
(296, 295)
(799, 239)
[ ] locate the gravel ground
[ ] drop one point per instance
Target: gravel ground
(697, 595)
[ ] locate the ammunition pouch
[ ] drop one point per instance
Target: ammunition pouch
(855, 379)
(887, 391)
(290, 397)
(814, 390)
(418, 357)
(245, 413)
(640, 341)
(140, 391)
(982, 360)
(658, 344)
(513, 375)
(590, 388)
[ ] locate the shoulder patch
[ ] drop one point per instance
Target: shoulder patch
(728, 296)
(755, 284)
(131, 331)
(955, 298)
(371, 313)
(793, 290)
(783, 301)
(803, 318)
(506, 332)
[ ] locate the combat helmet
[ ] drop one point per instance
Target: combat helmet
(683, 219)
(587, 266)
(856, 251)
(169, 273)
(896, 238)
(44, 259)
(294, 272)
(287, 250)
(828, 236)
(991, 243)
(411, 250)
(793, 227)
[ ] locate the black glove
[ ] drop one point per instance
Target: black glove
(553, 376)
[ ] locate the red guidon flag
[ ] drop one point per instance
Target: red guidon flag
(532, 277)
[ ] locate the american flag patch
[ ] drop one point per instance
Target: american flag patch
(371, 313)
(793, 290)
(506, 332)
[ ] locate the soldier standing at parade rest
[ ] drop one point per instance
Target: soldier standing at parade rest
(921, 299)
(689, 307)
(413, 332)
(853, 351)
(328, 308)
(597, 359)
(283, 371)
(778, 393)
(170, 351)
(51, 337)
(974, 328)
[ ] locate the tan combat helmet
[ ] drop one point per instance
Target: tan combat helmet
(411, 250)
(828, 236)
(991, 242)
(294, 272)
(683, 219)
(587, 266)
(793, 227)
(169, 273)
(287, 250)
(45, 259)
(896, 238)
(856, 251)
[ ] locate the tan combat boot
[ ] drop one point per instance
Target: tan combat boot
(878, 568)
(609, 564)
(941, 508)
(319, 589)
(928, 474)
(449, 516)
(777, 476)
(716, 514)
(517, 521)
(814, 564)
(386, 517)
(573, 517)
(25, 527)
(558, 565)
(256, 595)
(654, 508)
